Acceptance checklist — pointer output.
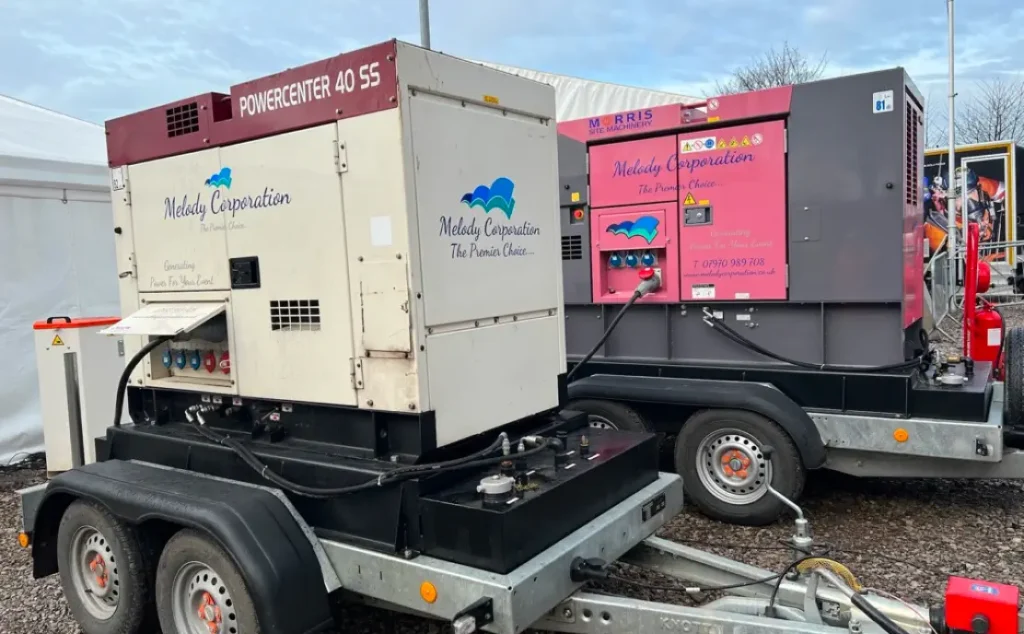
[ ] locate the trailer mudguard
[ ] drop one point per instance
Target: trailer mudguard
(761, 398)
(259, 532)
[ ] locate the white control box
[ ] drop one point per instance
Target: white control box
(405, 260)
(78, 368)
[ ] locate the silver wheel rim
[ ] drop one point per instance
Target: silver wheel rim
(94, 572)
(201, 602)
(600, 422)
(732, 468)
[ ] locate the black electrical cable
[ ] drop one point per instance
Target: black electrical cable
(727, 331)
(607, 333)
(782, 577)
(122, 383)
(876, 615)
(398, 475)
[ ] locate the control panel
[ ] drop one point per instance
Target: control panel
(627, 240)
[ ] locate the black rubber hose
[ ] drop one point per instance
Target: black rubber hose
(393, 477)
(876, 615)
(122, 383)
(747, 343)
(607, 333)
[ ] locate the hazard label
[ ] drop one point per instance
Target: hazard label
(689, 200)
(721, 144)
(745, 142)
(733, 143)
(57, 341)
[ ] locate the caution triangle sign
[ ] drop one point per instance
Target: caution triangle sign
(733, 143)
(745, 142)
(690, 200)
(57, 341)
(721, 144)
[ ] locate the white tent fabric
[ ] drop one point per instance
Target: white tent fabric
(56, 249)
(577, 98)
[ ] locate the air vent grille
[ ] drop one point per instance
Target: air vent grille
(572, 247)
(913, 150)
(183, 119)
(295, 314)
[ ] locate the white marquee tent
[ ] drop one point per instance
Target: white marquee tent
(56, 249)
(578, 98)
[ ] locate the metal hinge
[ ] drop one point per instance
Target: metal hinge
(133, 272)
(785, 141)
(356, 366)
(340, 157)
(787, 276)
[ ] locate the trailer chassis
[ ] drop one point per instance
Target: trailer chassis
(545, 594)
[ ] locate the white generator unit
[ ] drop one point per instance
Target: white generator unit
(401, 259)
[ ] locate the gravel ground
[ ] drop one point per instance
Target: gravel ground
(903, 537)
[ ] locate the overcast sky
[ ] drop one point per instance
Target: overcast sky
(96, 59)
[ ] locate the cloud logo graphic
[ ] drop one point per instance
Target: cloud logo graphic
(497, 196)
(220, 179)
(645, 226)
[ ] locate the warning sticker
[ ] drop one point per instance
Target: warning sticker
(698, 145)
(745, 142)
(57, 341)
(733, 143)
(575, 196)
(689, 200)
(705, 201)
(702, 291)
(756, 139)
(712, 104)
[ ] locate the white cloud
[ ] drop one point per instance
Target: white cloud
(101, 58)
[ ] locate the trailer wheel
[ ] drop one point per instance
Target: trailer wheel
(718, 454)
(610, 415)
(104, 571)
(199, 589)
(1013, 384)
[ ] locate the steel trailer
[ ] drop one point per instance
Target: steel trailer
(787, 224)
(268, 560)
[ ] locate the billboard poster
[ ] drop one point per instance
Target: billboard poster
(981, 183)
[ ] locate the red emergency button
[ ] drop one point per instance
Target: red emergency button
(225, 363)
(646, 273)
(210, 362)
(577, 214)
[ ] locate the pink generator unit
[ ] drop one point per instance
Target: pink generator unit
(792, 213)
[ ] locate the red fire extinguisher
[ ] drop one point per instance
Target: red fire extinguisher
(983, 326)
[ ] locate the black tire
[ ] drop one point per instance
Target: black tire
(187, 548)
(127, 570)
(787, 469)
(1013, 379)
(612, 414)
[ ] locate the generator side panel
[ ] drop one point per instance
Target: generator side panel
(290, 305)
(846, 195)
(814, 333)
(382, 279)
(913, 205)
(573, 194)
(483, 157)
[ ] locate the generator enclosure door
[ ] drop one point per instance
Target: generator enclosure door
(732, 210)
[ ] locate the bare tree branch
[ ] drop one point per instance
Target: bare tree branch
(936, 119)
(992, 111)
(774, 68)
